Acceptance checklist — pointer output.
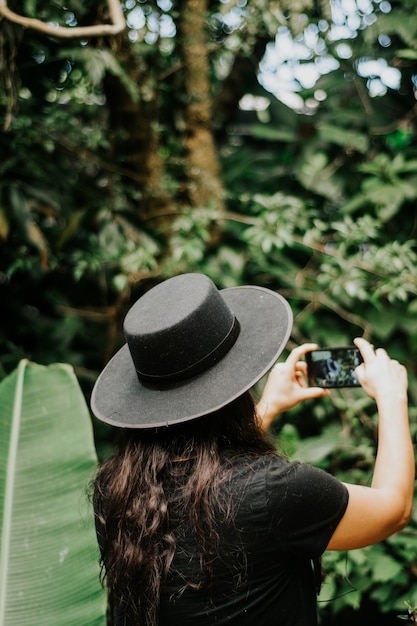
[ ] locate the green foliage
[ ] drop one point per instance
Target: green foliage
(96, 64)
(387, 567)
(49, 557)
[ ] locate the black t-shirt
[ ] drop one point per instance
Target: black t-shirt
(285, 515)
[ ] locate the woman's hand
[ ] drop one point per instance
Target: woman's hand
(287, 386)
(380, 375)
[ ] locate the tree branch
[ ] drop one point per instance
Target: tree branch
(116, 14)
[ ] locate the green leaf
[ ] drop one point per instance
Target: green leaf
(385, 568)
(315, 174)
(49, 558)
(342, 137)
(407, 53)
(272, 134)
(99, 61)
(315, 449)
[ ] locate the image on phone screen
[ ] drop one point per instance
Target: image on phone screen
(333, 367)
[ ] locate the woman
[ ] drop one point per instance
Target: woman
(199, 520)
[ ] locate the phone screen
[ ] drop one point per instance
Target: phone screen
(333, 367)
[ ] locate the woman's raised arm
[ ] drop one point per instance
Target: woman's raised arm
(378, 511)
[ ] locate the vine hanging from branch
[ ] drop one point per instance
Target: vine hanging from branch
(117, 25)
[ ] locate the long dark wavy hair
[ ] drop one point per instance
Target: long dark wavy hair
(156, 477)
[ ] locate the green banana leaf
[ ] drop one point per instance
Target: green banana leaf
(48, 553)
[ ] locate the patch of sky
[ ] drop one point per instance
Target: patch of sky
(136, 18)
(233, 19)
(385, 7)
(164, 5)
(39, 56)
(167, 26)
(70, 19)
(157, 25)
(380, 75)
(290, 65)
(153, 22)
(295, 63)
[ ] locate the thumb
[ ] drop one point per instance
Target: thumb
(315, 392)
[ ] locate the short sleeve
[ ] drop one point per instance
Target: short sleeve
(305, 505)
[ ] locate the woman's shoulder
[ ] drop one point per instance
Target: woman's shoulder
(252, 473)
(276, 475)
(252, 464)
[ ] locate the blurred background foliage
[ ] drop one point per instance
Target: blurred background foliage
(271, 143)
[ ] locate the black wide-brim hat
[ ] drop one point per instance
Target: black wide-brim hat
(191, 350)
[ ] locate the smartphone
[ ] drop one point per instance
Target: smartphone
(333, 367)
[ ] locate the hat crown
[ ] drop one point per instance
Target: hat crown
(178, 329)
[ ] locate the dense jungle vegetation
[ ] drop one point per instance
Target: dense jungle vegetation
(260, 142)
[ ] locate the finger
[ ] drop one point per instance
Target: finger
(315, 392)
(296, 354)
(366, 349)
(301, 373)
(359, 372)
(381, 352)
(300, 379)
(301, 366)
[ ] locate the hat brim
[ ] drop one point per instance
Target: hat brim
(265, 319)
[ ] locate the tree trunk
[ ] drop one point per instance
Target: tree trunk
(205, 187)
(134, 132)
